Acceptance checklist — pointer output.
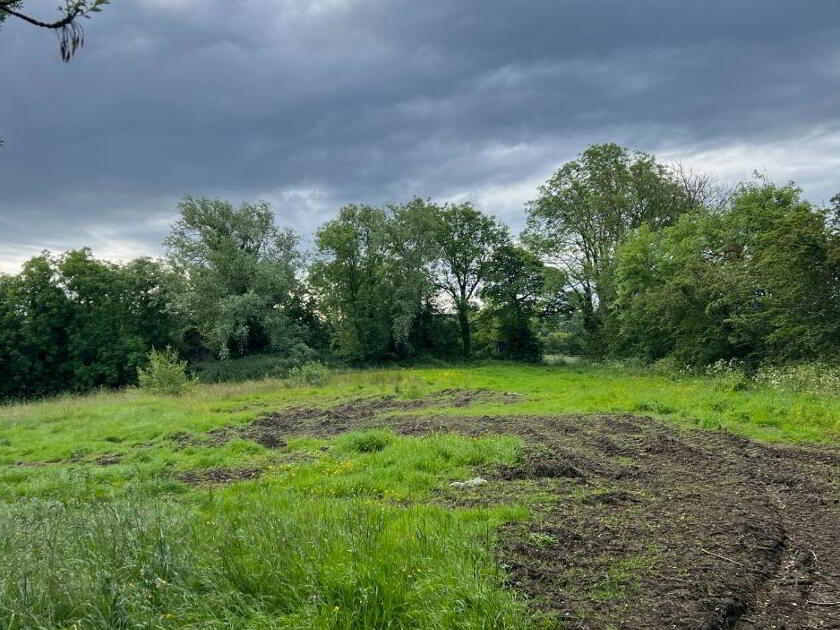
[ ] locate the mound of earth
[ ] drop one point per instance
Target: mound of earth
(636, 523)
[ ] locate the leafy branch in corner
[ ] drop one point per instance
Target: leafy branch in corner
(71, 35)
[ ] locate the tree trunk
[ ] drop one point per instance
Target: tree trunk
(464, 322)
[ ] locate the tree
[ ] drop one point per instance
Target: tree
(587, 208)
(350, 277)
(759, 281)
(73, 322)
(242, 290)
(119, 312)
(372, 276)
(70, 33)
(410, 247)
(514, 289)
(34, 312)
(466, 240)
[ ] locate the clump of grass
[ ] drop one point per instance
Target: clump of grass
(370, 441)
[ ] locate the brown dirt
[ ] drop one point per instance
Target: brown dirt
(107, 460)
(636, 523)
(218, 475)
(273, 429)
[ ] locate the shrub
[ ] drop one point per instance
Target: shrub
(312, 373)
(249, 368)
(165, 373)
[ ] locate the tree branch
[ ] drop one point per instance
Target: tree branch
(70, 34)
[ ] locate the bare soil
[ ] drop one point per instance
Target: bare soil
(218, 475)
(271, 430)
(637, 523)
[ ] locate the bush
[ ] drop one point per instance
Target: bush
(312, 373)
(165, 373)
(249, 368)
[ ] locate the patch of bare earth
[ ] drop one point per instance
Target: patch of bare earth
(218, 475)
(636, 523)
(273, 429)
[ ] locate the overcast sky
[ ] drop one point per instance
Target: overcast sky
(311, 104)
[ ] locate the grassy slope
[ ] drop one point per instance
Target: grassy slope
(324, 538)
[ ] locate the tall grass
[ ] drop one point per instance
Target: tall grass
(256, 559)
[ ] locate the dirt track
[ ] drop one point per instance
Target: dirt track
(638, 524)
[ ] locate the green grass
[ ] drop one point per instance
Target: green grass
(250, 558)
(337, 533)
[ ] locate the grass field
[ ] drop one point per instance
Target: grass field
(126, 509)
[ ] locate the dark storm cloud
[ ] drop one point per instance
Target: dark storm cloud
(312, 103)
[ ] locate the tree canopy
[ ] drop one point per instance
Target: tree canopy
(622, 257)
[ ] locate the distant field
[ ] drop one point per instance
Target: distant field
(263, 505)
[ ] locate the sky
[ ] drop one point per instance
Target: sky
(313, 104)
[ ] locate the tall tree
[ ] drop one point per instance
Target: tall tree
(34, 312)
(759, 281)
(466, 240)
(241, 272)
(587, 208)
(119, 312)
(514, 289)
(350, 277)
(371, 273)
(73, 322)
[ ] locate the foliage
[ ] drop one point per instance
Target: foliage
(820, 379)
(371, 275)
(586, 209)
(466, 240)
(351, 278)
(623, 258)
(67, 26)
(758, 282)
(516, 281)
(252, 367)
(75, 323)
(241, 289)
(165, 373)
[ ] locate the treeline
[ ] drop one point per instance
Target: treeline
(622, 256)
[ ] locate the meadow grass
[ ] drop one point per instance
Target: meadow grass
(338, 532)
(250, 557)
(83, 426)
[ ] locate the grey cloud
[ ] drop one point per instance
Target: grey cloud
(313, 104)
